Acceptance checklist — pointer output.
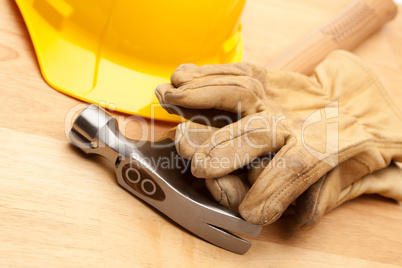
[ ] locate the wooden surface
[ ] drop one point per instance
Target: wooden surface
(59, 208)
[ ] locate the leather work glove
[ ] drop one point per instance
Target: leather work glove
(327, 131)
(326, 194)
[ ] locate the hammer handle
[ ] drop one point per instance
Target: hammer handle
(347, 30)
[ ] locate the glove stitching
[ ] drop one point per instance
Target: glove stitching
(184, 91)
(232, 138)
(256, 93)
(307, 174)
(364, 163)
(246, 69)
(199, 75)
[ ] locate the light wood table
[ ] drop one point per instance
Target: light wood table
(59, 208)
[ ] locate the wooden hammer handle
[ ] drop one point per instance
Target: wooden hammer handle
(354, 24)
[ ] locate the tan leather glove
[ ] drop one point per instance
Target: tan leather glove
(326, 194)
(285, 113)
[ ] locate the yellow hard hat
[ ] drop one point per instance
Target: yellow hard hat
(118, 51)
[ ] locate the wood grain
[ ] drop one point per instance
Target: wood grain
(59, 208)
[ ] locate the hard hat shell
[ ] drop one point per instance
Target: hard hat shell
(118, 51)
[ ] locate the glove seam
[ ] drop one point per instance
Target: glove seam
(361, 161)
(232, 138)
(248, 72)
(215, 85)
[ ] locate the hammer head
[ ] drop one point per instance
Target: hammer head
(155, 173)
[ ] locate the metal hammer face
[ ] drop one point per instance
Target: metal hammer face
(171, 190)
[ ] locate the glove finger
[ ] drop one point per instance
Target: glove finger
(322, 196)
(256, 167)
(213, 117)
(229, 190)
(233, 94)
(160, 94)
(186, 73)
(386, 182)
(235, 145)
(280, 184)
(190, 136)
